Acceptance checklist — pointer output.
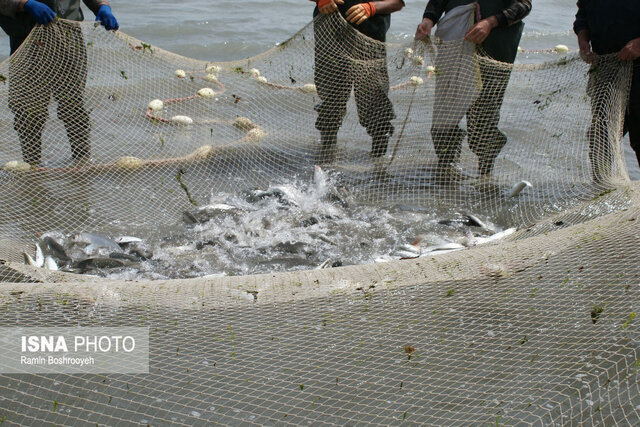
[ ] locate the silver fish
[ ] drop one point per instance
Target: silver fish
(98, 241)
(407, 254)
(516, 189)
(51, 247)
(474, 221)
(411, 248)
(123, 240)
(495, 236)
(39, 256)
(320, 180)
(50, 263)
(325, 264)
(28, 260)
(452, 246)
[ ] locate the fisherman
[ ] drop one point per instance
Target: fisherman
(343, 63)
(34, 77)
(497, 30)
(607, 27)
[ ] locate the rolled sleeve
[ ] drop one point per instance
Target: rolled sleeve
(94, 5)
(514, 13)
(434, 10)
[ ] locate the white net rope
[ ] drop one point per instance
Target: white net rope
(536, 328)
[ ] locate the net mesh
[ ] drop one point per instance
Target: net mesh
(536, 328)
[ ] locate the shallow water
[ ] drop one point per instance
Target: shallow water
(309, 230)
(228, 30)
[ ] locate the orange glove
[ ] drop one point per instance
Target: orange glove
(361, 12)
(328, 6)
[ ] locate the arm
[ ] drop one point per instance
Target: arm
(94, 5)
(103, 13)
(361, 12)
(10, 7)
(388, 6)
(631, 51)
(434, 10)
(581, 28)
(511, 15)
(581, 18)
(432, 13)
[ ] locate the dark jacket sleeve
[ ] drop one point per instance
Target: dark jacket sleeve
(434, 10)
(581, 17)
(515, 13)
(10, 7)
(93, 5)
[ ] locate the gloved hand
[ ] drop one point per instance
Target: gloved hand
(360, 12)
(328, 6)
(42, 13)
(106, 18)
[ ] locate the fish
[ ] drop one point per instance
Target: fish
(283, 194)
(516, 189)
(95, 241)
(207, 213)
(446, 247)
(468, 220)
(141, 252)
(98, 263)
(125, 257)
(50, 263)
(320, 180)
(51, 247)
(124, 240)
(474, 221)
(28, 260)
(411, 248)
(329, 264)
(326, 264)
(340, 196)
(407, 254)
(39, 256)
(495, 236)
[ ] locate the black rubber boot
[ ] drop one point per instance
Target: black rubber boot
(328, 148)
(379, 145)
(485, 166)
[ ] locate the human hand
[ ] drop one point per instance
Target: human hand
(360, 12)
(424, 29)
(585, 47)
(106, 18)
(631, 51)
(479, 32)
(42, 13)
(328, 6)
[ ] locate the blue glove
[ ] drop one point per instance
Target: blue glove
(42, 13)
(106, 18)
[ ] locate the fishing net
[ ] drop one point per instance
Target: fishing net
(536, 327)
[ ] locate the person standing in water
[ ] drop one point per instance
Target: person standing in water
(35, 77)
(497, 30)
(341, 65)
